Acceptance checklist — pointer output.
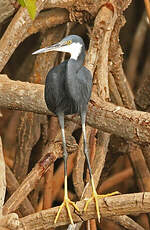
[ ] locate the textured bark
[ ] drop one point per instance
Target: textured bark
(17, 28)
(7, 8)
(130, 124)
(2, 178)
(103, 21)
(110, 206)
(26, 207)
(52, 152)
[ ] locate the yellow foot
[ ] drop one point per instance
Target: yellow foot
(95, 196)
(66, 203)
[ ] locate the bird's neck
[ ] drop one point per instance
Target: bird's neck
(76, 63)
(73, 67)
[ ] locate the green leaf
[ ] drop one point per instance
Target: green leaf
(21, 2)
(31, 7)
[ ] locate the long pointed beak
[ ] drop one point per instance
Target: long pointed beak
(54, 47)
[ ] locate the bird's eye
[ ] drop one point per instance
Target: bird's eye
(69, 42)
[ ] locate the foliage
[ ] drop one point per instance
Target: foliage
(30, 5)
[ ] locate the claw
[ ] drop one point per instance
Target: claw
(95, 196)
(66, 203)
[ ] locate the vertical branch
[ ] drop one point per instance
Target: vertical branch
(147, 6)
(106, 23)
(115, 66)
(138, 41)
(2, 178)
(48, 187)
(134, 151)
(79, 166)
(100, 36)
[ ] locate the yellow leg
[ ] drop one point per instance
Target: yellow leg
(95, 196)
(66, 204)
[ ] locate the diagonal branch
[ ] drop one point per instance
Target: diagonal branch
(52, 152)
(12, 184)
(16, 29)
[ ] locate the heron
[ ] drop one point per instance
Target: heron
(68, 88)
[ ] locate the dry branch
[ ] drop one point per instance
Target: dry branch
(126, 222)
(115, 179)
(142, 98)
(79, 166)
(46, 20)
(27, 137)
(28, 184)
(135, 52)
(130, 124)
(134, 152)
(58, 178)
(10, 221)
(115, 64)
(2, 178)
(17, 28)
(147, 6)
(43, 21)
(59, 3)
(52, 152)
(6, 9)
(12, 184)
(118, 205)
(99, 46)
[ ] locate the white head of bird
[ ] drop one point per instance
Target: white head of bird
(72, 44)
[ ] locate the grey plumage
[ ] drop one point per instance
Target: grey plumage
(68, 96)
(68, 89)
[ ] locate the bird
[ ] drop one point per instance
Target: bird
(68, 88)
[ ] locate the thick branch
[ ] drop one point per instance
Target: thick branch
(10, 221)
(130, 124)
(46, 20)
(110, 206)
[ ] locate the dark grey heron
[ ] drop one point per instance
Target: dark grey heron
(68, 89)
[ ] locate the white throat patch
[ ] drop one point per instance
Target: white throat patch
(74, 49)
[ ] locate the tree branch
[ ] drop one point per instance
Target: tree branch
(7, 8)
(17, 28)
(51, 153)
(2, 178)
(110, 206)
(26, 207)
(129, 124)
